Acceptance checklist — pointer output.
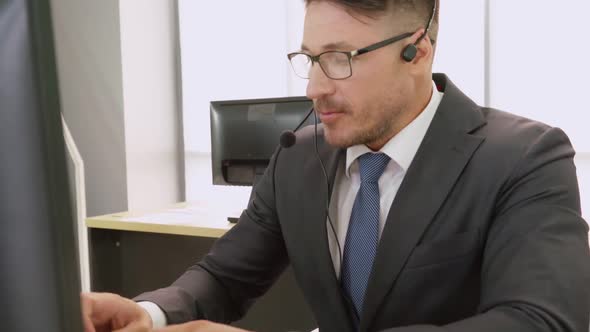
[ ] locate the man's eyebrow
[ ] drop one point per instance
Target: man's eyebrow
(339, 46)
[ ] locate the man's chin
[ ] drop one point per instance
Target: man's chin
(338, 141)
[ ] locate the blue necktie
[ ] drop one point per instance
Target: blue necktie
(362, 236)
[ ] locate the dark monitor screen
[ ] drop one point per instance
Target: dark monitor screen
(245, 133)
(39, 278)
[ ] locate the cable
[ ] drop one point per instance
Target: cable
(315, 142)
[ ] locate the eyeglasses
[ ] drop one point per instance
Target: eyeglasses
(337, 65)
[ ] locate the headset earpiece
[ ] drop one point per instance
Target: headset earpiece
(409, 53)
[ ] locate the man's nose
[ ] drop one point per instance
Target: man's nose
(319, 85)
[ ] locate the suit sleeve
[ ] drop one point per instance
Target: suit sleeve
(241, 266)
(536, 262)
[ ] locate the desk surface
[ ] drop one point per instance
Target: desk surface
(194, 218)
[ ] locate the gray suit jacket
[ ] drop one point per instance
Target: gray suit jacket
(485, 234)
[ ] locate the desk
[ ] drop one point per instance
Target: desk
(195, 224)
(131, 253)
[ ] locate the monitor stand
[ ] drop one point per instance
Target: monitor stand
(259, 172)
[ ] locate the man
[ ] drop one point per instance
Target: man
(443, 215)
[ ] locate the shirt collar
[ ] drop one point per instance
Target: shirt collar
(402, 147)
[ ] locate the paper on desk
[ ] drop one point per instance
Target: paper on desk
(195, 214)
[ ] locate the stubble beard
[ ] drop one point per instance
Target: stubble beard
(366, 135)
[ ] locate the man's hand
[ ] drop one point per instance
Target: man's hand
(104, 312)
(201, 326)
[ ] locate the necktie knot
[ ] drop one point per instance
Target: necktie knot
(372, 166)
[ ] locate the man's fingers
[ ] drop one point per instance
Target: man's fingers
(98, 307)
(201, 326)
(88, 327)
(194, 326)
(103, 312)
(86, 306)
(175, 328)
(135, 327)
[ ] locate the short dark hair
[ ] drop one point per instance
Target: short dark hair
(418, 12)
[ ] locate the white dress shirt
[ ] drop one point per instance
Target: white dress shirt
(401, 149)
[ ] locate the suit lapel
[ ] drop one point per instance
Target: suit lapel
(444, 152)
(315, 215)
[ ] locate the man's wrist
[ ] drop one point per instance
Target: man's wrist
(156, 314)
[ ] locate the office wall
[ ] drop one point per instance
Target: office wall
(539, 66)
(539, 69)
(153, 130)
(230, 50)
(117, 71)
(88, 53)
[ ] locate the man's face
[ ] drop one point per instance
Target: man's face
(364, 108)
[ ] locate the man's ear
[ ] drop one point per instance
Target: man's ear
(419, 50)
(419, 53)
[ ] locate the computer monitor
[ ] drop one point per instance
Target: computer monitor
(39, 278)
(245, 133)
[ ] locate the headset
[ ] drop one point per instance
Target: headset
(411, 50)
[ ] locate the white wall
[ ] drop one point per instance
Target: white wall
(295, 13)
(230, 50)
(539, 61)
(150, 99)
(460, 48)
(539, 68)
(88, 54)
(117, 68)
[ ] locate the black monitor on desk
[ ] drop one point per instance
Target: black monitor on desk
(39, 280)
(245, 133)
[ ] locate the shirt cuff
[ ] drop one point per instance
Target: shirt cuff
(156, 314)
